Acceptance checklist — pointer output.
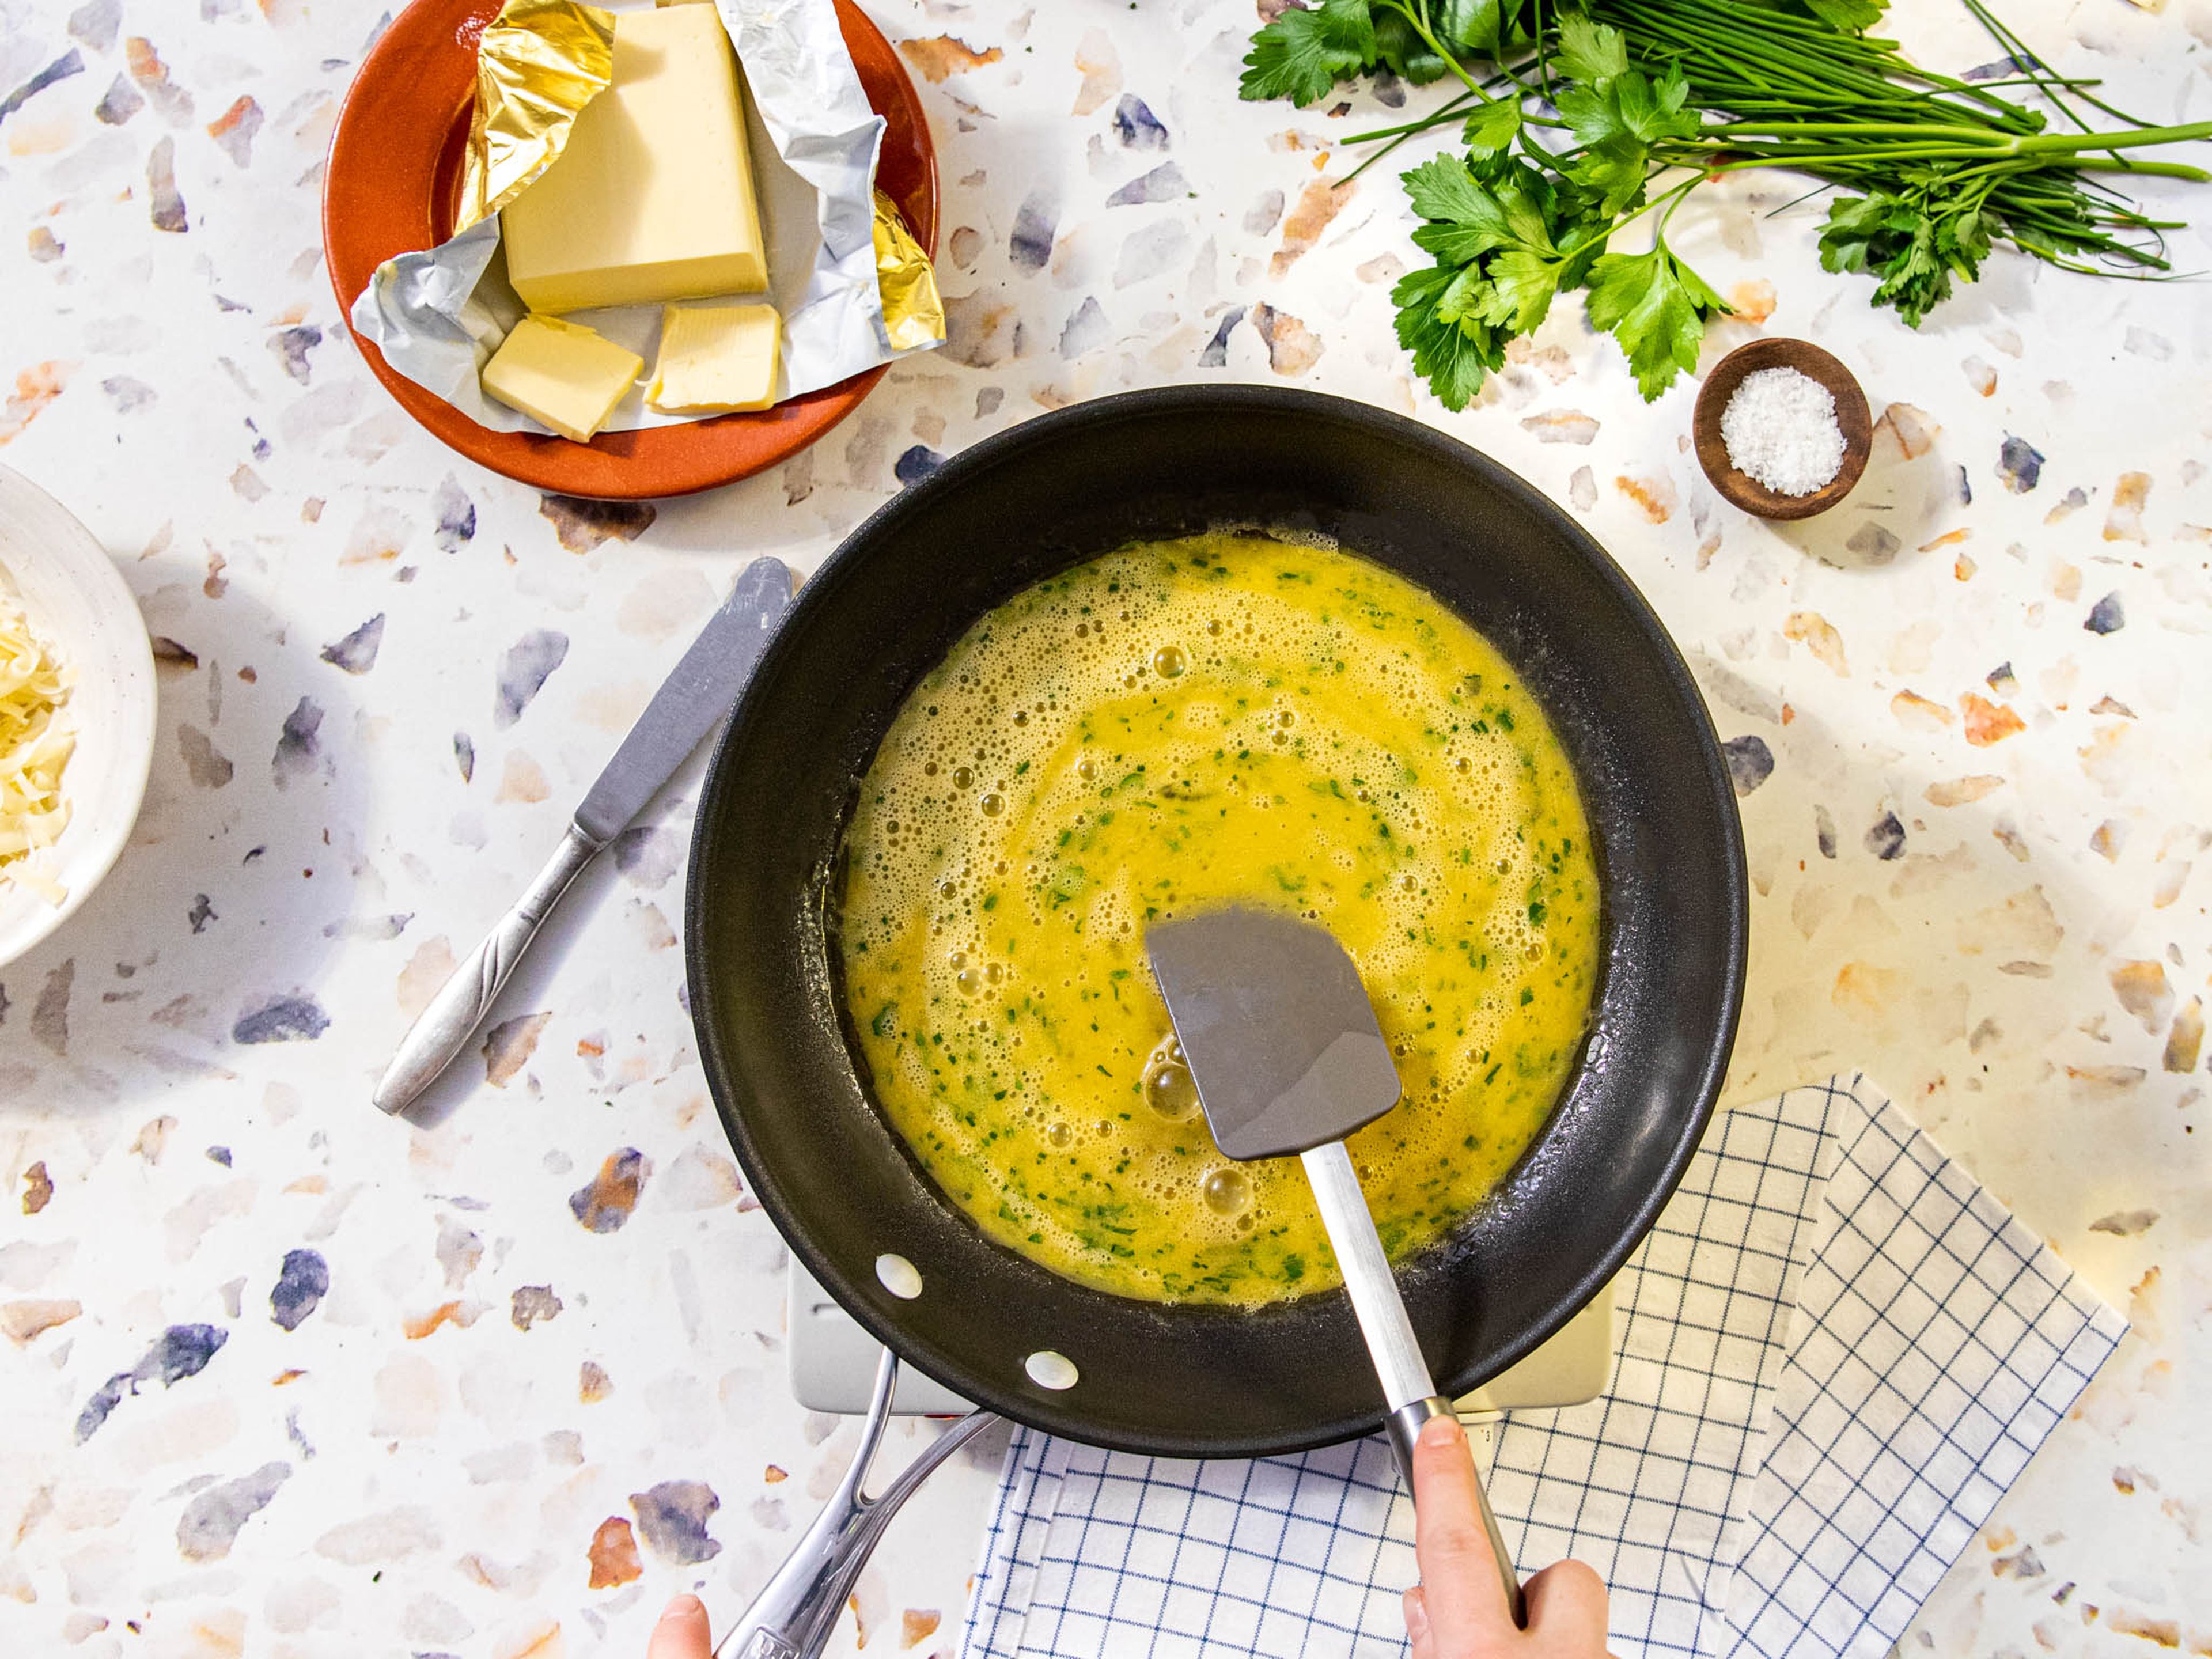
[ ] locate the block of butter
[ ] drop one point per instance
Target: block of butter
(653, 199)
(562, 373)
(714, 359)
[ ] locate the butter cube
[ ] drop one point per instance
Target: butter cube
(564, 374)
(653, 199)
(714, 359)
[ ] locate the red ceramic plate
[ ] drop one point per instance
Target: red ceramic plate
(393, 181)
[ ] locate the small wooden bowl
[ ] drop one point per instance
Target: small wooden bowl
(1851, 415)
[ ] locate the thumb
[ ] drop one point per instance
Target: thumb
(681, 1632)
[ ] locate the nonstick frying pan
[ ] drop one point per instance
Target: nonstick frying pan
(1190, 1382)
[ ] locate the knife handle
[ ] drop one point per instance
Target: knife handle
(442, 1029)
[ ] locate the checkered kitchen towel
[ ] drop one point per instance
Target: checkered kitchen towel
(1836, 1353)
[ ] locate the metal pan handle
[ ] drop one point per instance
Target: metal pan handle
(793, 1616)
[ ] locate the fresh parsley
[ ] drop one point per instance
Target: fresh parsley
(1578, 118)
(1656, 306)
(1914, 241)
(1305, 51)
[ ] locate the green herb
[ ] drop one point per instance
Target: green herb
(1915, 241)
(1578, 118)
(1304, 52)
(1656, 306)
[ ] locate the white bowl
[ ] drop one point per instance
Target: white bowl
(79, 605)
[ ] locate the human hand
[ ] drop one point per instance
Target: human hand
(1459, 1609)
(681, 1632)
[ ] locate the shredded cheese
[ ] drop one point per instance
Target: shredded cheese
(35, 744)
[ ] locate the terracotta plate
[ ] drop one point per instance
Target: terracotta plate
(391, 185)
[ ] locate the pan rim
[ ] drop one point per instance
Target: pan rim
(975, 462)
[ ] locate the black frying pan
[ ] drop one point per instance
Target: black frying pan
(1191, 1381)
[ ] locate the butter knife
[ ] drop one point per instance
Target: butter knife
(702, 689)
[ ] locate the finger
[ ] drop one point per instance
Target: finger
(1461, 1588)
(1417, 1625)
(681, 1632)
(1566, 1608)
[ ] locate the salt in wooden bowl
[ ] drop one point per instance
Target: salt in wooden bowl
(1851, 415)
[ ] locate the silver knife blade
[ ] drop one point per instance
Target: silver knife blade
(698, 693)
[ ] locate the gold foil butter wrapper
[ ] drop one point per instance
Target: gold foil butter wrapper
(914, 315)
(539, 63)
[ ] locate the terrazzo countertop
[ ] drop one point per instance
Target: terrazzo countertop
(284, 1376)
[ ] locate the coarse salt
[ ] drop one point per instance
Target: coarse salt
(1780, 428)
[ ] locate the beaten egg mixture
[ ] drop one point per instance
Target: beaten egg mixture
(1174, 727)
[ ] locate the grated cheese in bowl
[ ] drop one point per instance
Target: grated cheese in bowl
(35, 744)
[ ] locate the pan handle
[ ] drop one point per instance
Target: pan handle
(793, 1616)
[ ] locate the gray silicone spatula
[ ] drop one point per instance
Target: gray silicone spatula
(1282, 1046)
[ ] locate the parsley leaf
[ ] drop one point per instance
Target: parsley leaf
(1851, 15)
(1522, 282)
(1613, 175)
(1590, 51)
(1479, 26)
(1914, 242)
(1854, 223)
(1304, 52)
(1470, 218)
(1652, 110)
(1493, 127)
(1617, 118)
(1400, 49)
(1442, 188)
(1656, 306)
(1506, 244)
(1452, 354)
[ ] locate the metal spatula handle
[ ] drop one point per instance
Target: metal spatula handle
(1391, 1344)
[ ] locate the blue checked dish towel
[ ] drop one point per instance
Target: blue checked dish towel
(1835, 1352)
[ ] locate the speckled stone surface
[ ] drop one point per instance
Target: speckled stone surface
(283, 1377)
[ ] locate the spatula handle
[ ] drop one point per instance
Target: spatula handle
(1405, 1426)
(1396, 1352)
(1390, 1339)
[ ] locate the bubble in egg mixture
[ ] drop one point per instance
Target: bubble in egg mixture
(1169, 1089)
(1227, 1192)
(1228, 719)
